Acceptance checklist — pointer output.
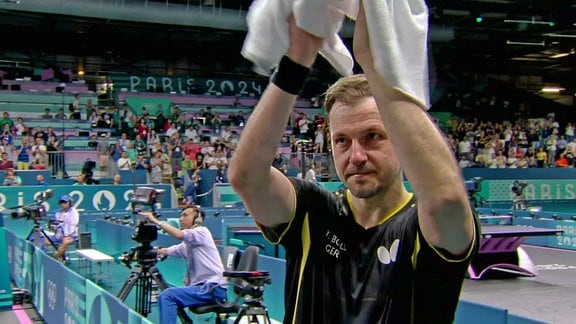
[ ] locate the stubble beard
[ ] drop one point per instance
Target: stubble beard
(365, 190)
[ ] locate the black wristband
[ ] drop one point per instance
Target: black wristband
(290, 76)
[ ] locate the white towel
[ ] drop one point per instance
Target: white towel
(398, 37)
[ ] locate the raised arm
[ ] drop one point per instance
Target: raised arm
(266, 192)
(171, 230)
(429, 165)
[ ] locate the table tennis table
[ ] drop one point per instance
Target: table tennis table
(500, 250)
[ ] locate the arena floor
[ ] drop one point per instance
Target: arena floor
(549, 297)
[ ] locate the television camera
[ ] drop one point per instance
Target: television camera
(145, 232)
(145, 273)
(473, 187)
(36, 210)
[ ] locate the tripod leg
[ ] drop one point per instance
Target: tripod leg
(253, 314)
(47, 237)
(157, 277)
(129, 283)
(35, 236)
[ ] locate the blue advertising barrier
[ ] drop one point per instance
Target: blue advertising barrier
(61, 297)
(103, 307)
(20, 257)
(60, 294)
(5, 288)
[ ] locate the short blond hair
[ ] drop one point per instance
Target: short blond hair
(348, 90)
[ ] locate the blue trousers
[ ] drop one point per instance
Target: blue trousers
(171, 299)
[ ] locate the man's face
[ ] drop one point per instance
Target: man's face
(4, 156)
(364, 158)
(187, 218)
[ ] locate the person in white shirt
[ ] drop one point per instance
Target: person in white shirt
(191, 133)
(65, 225)
(124, 162)
(311, 173)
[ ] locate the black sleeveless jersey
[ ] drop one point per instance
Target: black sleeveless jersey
(339, 272)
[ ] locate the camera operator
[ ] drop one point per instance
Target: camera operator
(518, 188)
(65, 225)
(518, 201)
(204, 276)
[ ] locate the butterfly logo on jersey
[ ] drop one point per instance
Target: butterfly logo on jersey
(387, 256)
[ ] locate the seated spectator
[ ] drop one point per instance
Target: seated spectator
(20, 127)
(94, 118)
(7, 134)
(60, 114)
(12, 179)
(39, 164)
(123, 142)
(463, 162)
(6, 163)
(80, 180)
(124, 162)
(187, 165)
(46, 114)
(40, 180)
(100, 122)
(93, 142)
(191, 134)
(132, 152)
(109, 121)
(562, 161)
(141, 163)
(117, 179)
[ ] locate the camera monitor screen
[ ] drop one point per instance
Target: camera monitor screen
(147, 195)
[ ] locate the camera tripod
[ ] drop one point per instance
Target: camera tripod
(37, 234)
(252, 307)
(519, 203)
(142, 276)
(253, 310)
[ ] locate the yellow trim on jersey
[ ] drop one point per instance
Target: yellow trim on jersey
(416, 251)
(417, 248)
(470, 249)
(292, 214)
(392, 213)
(305, 252)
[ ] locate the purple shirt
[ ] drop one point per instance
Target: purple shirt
(202, 256)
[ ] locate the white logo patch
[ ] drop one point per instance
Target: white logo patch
(386, 256)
